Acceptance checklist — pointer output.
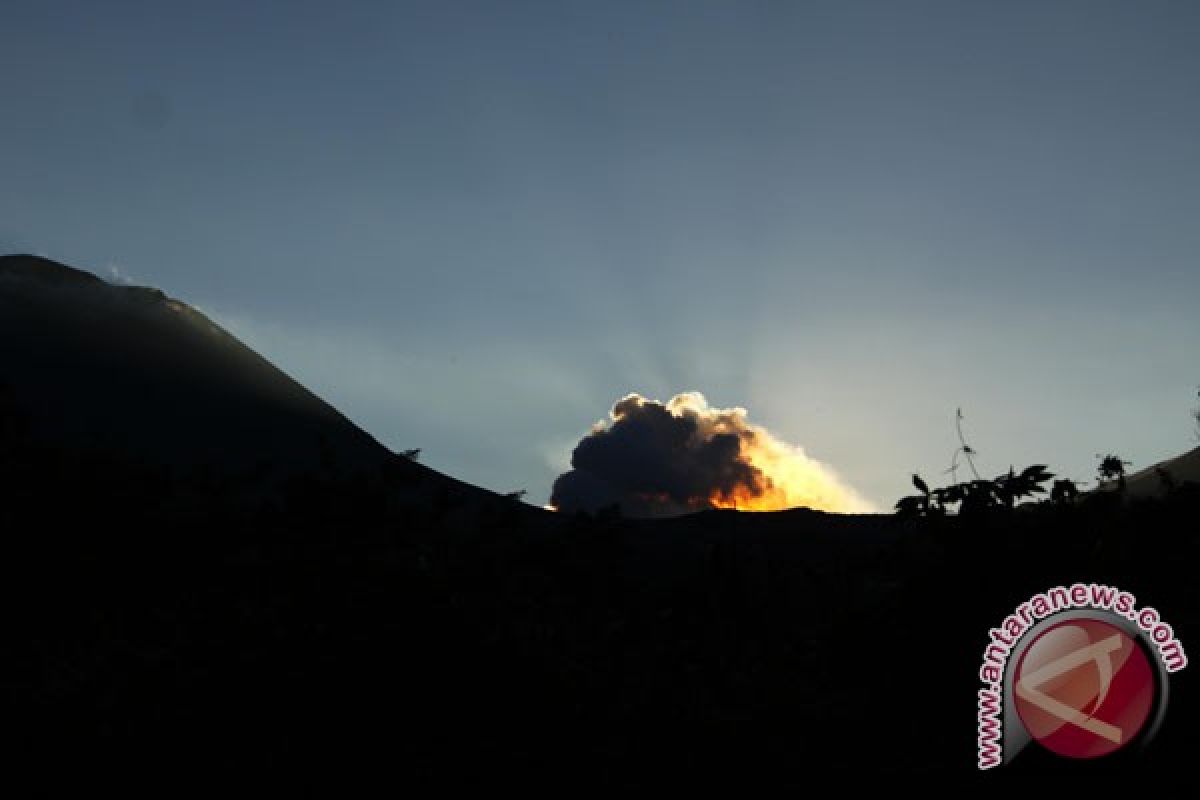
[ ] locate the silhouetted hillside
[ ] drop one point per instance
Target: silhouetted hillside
(1156, 480)
(370, 619)
(130, 371)
(129, 367)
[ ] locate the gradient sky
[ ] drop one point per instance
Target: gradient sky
(473, 226)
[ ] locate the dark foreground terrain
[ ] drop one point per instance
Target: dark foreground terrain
(313, 609)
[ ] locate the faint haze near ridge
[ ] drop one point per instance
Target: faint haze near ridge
(472, 229)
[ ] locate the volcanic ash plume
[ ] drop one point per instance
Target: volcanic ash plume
(654, 460)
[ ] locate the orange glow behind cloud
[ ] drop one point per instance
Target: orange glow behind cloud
(790, 478)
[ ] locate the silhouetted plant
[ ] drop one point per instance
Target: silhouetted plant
(1011, 487)
(911, 506)
(918, 504)
(977, 495)
(918, 482)
(518, 495)
(949, 495)
(1005, 488)
(963, 449)
(411, 455)
(1063, 492)
(1111, 468)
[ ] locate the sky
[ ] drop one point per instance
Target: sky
(473, 227)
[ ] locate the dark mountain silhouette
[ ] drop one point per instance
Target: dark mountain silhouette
(128, 369)
(205, 571)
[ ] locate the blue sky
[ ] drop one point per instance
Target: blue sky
(474, 226)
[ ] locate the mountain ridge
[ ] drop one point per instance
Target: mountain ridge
(129, 369)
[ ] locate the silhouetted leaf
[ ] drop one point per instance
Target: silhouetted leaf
(910, 506)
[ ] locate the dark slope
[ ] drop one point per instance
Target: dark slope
(132, 369)
(135, 374)
(1157, 480)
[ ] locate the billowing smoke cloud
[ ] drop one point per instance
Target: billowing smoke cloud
(655, 459)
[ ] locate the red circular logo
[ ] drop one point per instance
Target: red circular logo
(1084, 688)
